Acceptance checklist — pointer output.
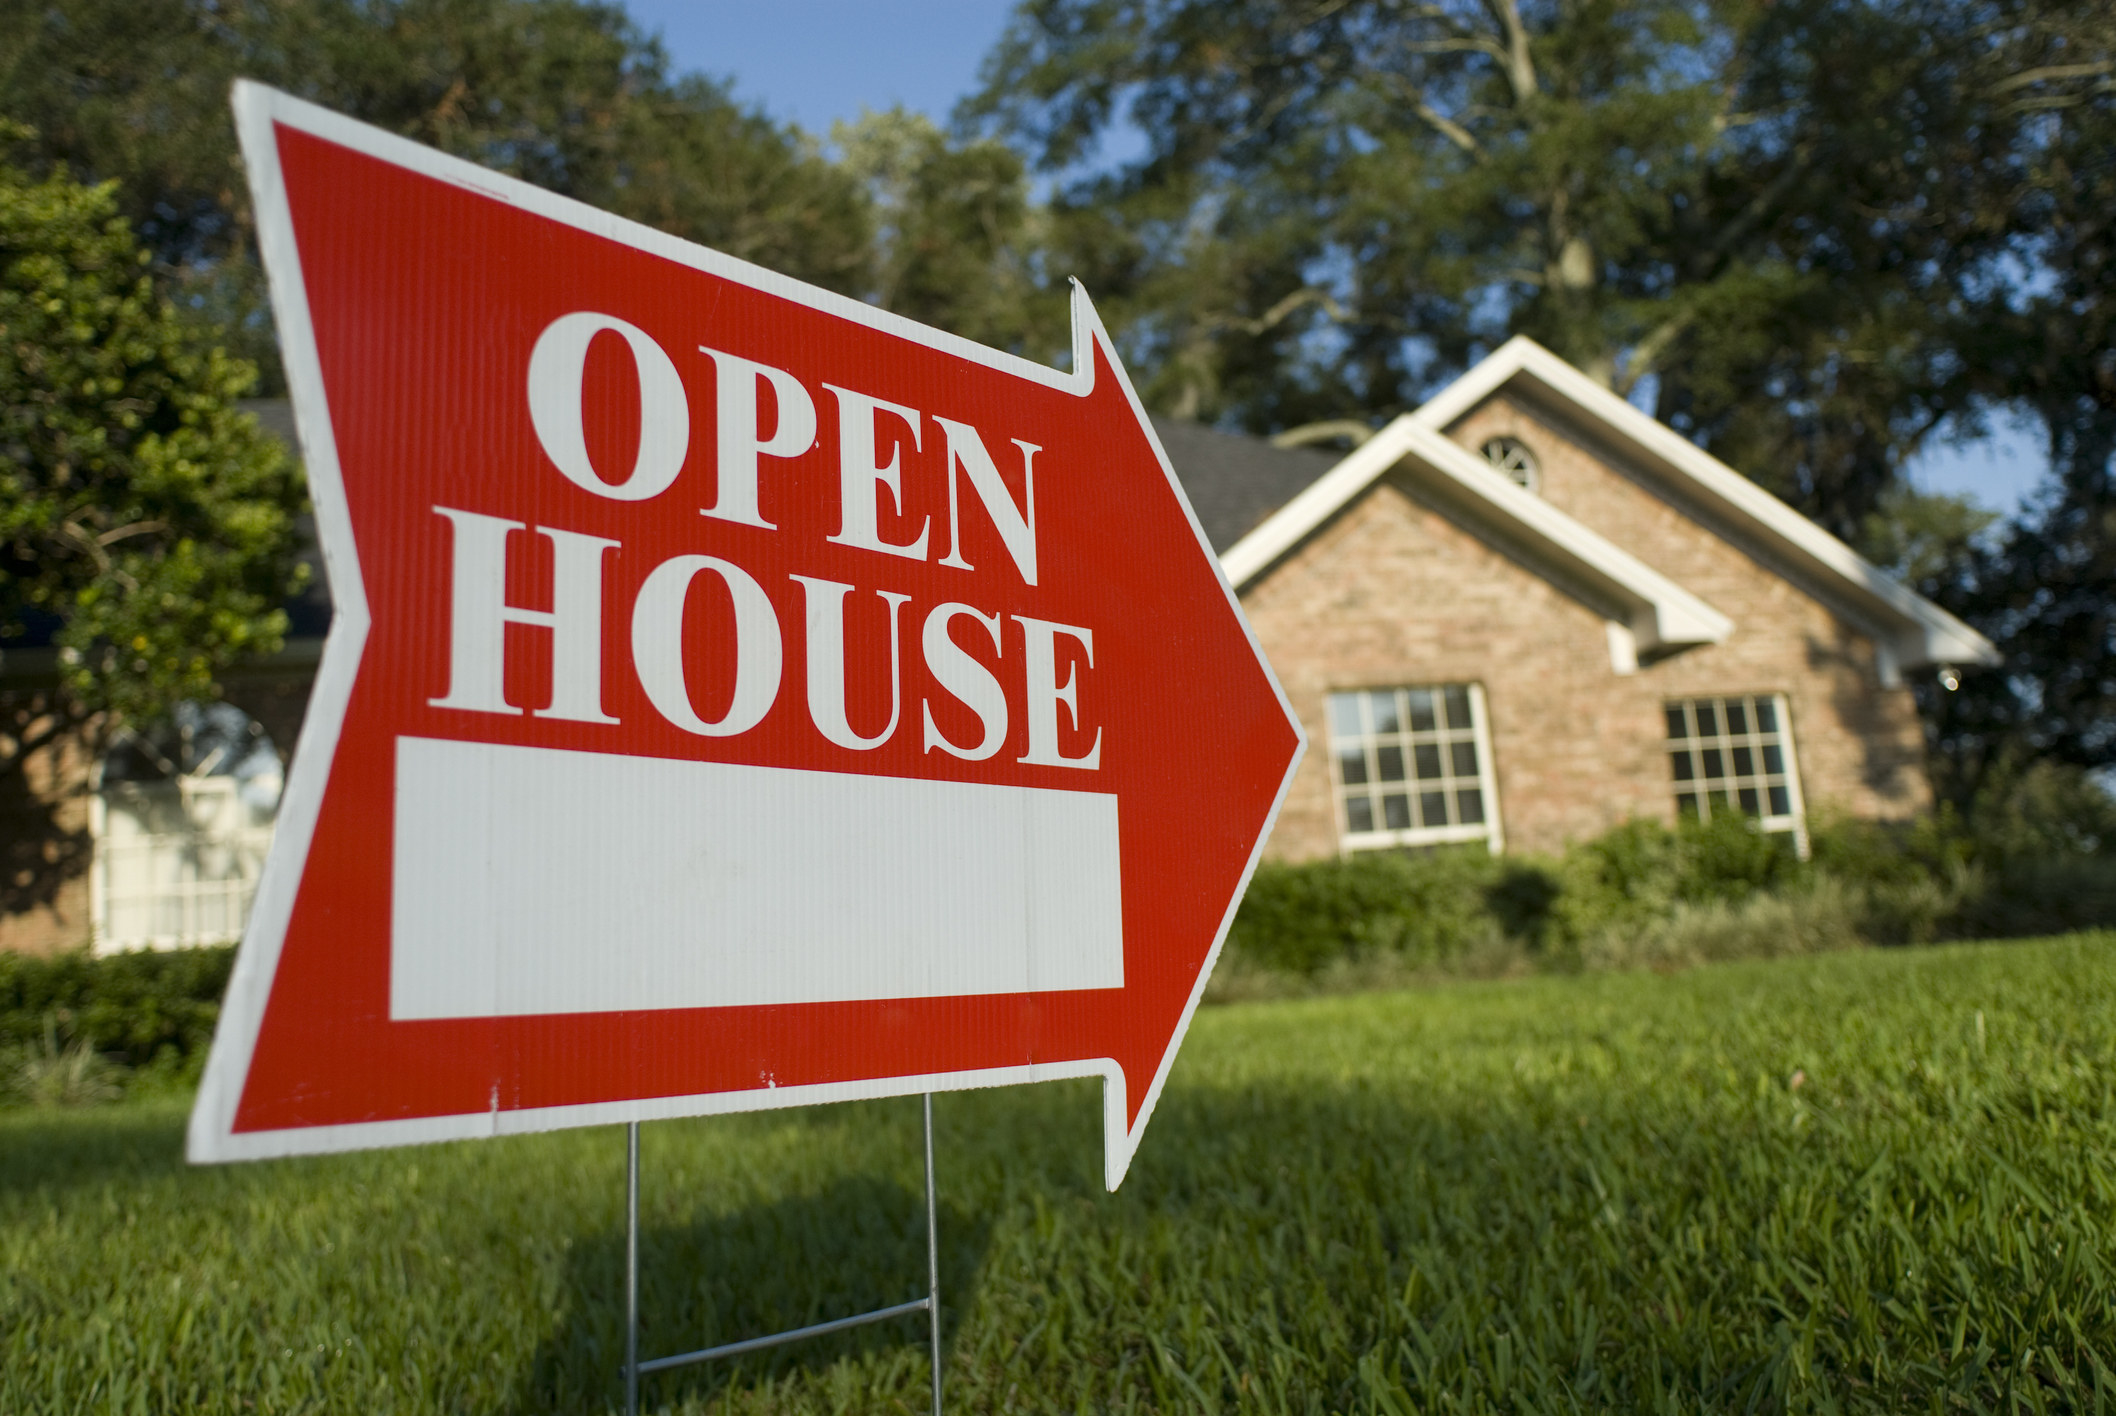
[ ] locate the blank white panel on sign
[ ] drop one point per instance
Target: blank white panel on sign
(530, 880)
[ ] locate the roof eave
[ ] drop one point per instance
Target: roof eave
(1659, 613)
(1919, 632)
(1318, 502)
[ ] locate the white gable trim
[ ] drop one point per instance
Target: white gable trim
(1316, 503)
(1911, 629)
(1915, 631)
(1657, 613)
(1661, 613)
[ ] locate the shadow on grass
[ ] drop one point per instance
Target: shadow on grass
(63, 1150)
(857, 1245)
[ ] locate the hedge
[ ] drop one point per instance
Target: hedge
(135, 1008)
(1646, 895)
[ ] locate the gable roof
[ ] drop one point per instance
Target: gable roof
(1908, 628)
(1234, 483)
(1658, 612)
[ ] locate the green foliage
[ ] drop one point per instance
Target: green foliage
(1925, 540)
(954, 221)
(1818, 263)
(2040, 810)
(1339, 203)
(1821, 915)
(568, 95)
(140, 511)
(2047, 348)
(1427, 911)
(1644, 864)
(1870, 1183)
(2038, 859)
(48, 1074)
(132, 1008)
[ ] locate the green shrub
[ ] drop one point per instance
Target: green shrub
(2040, 859)
(1819, 915)
(1642, 874)
(136, 1009)
(1913, 879)
(1420, 910)
(2039, 811)
(2051, 895)
(52, 1074)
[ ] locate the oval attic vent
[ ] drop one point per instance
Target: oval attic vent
(1511, 456)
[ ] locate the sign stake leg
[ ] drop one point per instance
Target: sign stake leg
(932, 1258)
(632, 1268)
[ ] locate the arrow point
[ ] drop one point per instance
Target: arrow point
(1087, 324)
(1120, 1136)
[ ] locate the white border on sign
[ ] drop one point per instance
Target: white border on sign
(212, 1136)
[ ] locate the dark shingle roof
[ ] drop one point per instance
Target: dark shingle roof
(1235, 482)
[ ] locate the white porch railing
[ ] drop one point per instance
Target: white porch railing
(176, 862)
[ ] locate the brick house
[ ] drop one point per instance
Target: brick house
(1527, 611)
(1520, 615)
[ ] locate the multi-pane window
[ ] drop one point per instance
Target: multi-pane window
(1413, 766)
(1734, 754)
(182, 823)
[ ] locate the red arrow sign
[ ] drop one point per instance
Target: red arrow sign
(738, 697)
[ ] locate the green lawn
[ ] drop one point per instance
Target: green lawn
(1877, 1181)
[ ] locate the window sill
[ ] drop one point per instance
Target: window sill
(1422, 836)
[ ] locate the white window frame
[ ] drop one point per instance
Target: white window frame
(226, 900)
(1490, 830)
(1792, 822)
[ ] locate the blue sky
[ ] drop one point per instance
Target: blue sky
(815, 61)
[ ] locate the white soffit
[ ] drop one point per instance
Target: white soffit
(1916, 630)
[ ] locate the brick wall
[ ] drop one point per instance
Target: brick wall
(44, 835)
(1392, 592)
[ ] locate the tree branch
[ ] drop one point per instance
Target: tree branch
(87, 540)
(2027, 77)
(137, 528)
(1447, 128)
(1279, 312)
(1467, 45)
(1759, 206)
(1328, 430)
(1646, 353)
(1439, 122)
(1520, 66)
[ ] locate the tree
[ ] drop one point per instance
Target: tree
(1809, 232)
(953, 228)
(146, 524)
(2047, 593)
(1340, 203)
(565, 94)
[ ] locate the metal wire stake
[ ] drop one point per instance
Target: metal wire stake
(632, 1268)
(634, 1367)
(932, 1258)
